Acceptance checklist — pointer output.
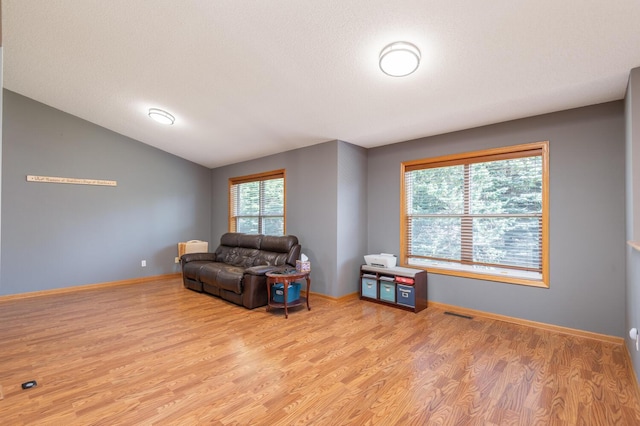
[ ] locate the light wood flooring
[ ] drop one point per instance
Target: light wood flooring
(156, 353)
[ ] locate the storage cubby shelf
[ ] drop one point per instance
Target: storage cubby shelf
(385, 286)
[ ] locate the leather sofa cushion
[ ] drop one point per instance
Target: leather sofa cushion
(229, 239)
(237, 256)
(278, 244)
(222, 275)
(250, 241)
(230, 278)
(270, 258)
(247, 250)
(191, 269)
(232, 239)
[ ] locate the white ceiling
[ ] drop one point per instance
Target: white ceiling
(249, 78)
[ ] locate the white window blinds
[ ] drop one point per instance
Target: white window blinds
(257, 204)
(484, 211)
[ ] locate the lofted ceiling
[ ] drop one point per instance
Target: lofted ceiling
(249, 78)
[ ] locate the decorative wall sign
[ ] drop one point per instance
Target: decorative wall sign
(75, 181)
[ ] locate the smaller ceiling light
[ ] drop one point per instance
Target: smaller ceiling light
(399, 59)
(161, 116)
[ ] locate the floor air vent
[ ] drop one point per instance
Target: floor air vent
(458, 315)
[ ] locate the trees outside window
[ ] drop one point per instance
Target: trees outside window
(257, 203)
(481, 214)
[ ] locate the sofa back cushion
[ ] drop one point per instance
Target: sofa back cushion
(278, 244)
(236, 239)
(250, 241)
(246, 250)
(229, 239)
(270, 258)
(236, 256)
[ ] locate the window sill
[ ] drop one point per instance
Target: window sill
(503, 275)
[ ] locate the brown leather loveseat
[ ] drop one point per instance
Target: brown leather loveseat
(237, 270)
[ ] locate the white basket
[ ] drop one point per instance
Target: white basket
(193, 246)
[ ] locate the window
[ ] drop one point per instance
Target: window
(256, 203)
(481, 214)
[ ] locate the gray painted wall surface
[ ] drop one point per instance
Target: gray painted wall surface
(326, 208)
(587, 232)
(1, 103)
(311, 182)
(632, 120)
(60, 235)
(86, 234)
(352, 217)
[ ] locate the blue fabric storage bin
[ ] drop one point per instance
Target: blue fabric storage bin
(370, 287)
(406, 296)
(293, 292)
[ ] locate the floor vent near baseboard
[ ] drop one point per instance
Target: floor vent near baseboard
(457, 315)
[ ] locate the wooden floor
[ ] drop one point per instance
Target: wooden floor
(156, 353)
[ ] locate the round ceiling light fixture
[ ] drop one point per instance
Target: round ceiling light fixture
(161, 116)
(399, 59)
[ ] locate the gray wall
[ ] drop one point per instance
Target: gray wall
(60, 235)
(1, 104)
(632, 119)
(352, 217)
(587, 231)
(316, 209)
(311, 202)
(342, 202)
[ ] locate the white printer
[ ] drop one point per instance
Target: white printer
(382, 260)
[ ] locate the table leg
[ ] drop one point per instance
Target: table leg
(308, 290)
(268, 292)
(286, 296)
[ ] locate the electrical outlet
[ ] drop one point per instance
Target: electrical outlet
(177, 260)
(143, 263)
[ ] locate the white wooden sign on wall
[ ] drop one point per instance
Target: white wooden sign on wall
(74, 181)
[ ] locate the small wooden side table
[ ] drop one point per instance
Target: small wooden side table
(286, 278)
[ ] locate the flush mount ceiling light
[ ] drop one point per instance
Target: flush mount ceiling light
(399, 59)
(161, 116)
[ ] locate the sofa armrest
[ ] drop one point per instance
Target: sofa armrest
(191, 257)
(261, 269)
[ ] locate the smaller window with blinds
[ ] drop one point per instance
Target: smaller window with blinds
(257, 203)
(480, 215)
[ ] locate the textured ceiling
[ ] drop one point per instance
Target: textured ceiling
(248, 78)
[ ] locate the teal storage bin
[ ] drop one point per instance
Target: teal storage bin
(293, 292)
(388, 291)
(370, 288)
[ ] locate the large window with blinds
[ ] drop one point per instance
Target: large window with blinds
(257, 203)
(481, 214)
